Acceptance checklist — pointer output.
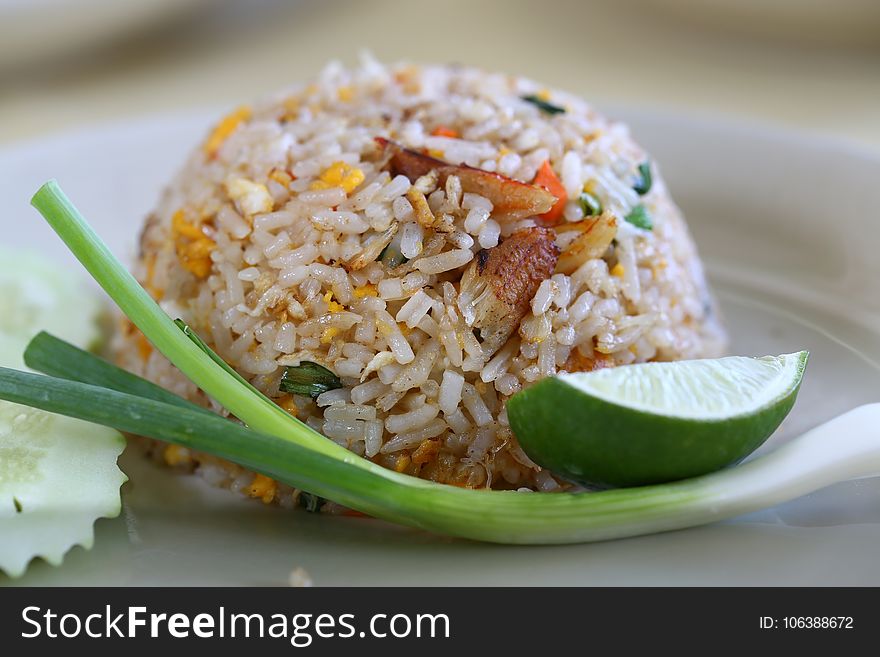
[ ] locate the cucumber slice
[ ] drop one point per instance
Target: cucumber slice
(57, 474)
(38, 295)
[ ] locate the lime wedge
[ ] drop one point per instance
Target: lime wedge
(655, 422)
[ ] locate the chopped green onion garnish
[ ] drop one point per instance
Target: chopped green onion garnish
(590, 204)
(311, 503)
(308, 379)
(640, 218)
(643, 185)
(391, 256)
(543, 105)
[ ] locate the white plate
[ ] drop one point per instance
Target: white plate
(787, 227)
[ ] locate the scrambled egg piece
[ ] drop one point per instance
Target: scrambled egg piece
(345, 94)
(329, 333)
(224, 129)
(252, 198)
(262, 487)
(176, 455)
(192, 246)
(339, 174)
(368, 290)
(332, 305)
(281, 176)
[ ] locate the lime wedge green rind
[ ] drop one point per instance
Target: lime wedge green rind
(574, 426)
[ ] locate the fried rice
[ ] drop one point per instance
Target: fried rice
(432, 239)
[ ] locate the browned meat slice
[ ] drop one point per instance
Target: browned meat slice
(511, 199)
(500, 283)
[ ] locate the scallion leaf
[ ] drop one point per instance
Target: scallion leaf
(643, 185)
(50, 355)
(275, 444)
(308, 379)
(590, 204)
(496, 516)
(391, 256)
(640, 218)
(311, 503)
(543, 105)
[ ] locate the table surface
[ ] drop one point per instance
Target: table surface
(635, 53)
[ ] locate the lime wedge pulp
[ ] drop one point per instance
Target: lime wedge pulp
(654, 422)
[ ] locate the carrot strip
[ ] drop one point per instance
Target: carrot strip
(548, 179)
(443, 131)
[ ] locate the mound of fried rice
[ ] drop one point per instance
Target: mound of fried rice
(438, 238)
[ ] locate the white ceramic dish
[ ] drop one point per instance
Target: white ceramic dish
(787, 228)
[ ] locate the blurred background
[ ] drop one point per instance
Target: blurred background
(812, 65)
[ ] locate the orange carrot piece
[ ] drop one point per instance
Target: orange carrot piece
(443, 131)
(548, 179)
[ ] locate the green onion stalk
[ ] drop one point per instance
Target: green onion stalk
(278, 445)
